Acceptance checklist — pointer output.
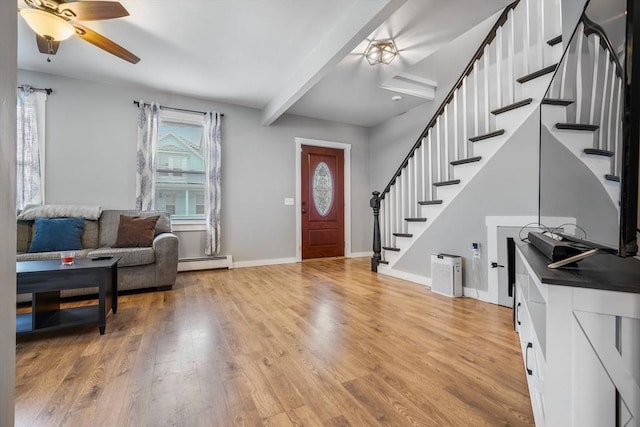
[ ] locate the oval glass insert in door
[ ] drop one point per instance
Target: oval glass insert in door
(322, 189)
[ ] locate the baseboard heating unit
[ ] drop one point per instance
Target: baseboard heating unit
(205, 263)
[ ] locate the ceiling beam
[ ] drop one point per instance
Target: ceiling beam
(356, 24)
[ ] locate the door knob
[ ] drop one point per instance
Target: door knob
(304, 210)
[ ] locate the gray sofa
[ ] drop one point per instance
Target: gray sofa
(138, 268)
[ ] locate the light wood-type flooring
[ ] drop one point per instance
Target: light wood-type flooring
(321, 343)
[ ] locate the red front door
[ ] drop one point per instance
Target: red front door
(322, 201)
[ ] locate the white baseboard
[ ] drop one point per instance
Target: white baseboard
(194, 264)
(415, 278)
(467, 292)
(359, 255)
(260, 262)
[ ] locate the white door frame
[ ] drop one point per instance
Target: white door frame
(299, 142)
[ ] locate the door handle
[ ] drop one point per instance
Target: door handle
(304, 210)
(526, 358)
(518, 314)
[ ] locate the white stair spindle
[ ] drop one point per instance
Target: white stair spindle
(398, 203)
(594, 85)
(456, 141)
(510, 55)
(563, 78)
(430, 166)
(446, 142)
(498, 67)
(465, 135)
(605, 141)
(403, 200)
(392, 214)
(526, 41)
(618, 138)
(609, 135)
(486, 90)
(410, 189)
(385, 223)
(439, 149)
(541, 40)
(414, 193)
(423, 168)
(476, 103)
(578, 93)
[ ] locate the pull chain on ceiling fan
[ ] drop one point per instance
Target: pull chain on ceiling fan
(55, 20)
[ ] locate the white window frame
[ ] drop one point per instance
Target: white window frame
(193, 224)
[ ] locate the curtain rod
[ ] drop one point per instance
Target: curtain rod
(137, 103)
(37, 89)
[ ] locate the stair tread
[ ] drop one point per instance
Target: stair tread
(613, 178)
(554, 41)
(512, 106)
(403, 234)
(577, 126)
(443, 183)
(557, 101)
(416, 219)
(536, 74)
(430, 202)
(598, 152)
(487, 135)
(465, 161)
(391, 248)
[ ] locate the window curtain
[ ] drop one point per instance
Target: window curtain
(148, 122)
(212, 155)
(28, 166)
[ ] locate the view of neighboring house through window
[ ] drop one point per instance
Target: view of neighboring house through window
(180, 165)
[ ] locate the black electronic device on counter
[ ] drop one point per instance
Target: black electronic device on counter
(553, 249)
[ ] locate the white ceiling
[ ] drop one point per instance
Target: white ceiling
(297, 56)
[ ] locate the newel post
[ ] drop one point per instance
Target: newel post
(377, 244)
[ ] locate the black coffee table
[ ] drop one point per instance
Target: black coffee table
(45, 279)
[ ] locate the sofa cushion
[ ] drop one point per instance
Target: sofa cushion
(111, 218)
(135, 231)
(24, 236)
(90, 234)
(37, 256)
(128, 256)
(57, 234)
(60, 211)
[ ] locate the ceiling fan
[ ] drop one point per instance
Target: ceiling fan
(56, 20)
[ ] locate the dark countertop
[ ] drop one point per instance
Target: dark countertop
(601, 271)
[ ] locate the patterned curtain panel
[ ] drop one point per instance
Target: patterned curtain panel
(148, 122)
(212, 150)
(28, 168)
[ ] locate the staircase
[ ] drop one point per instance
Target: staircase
(583, 107)
(502, 86)
(519, 70)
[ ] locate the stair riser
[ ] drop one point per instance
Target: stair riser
(465, 172)
(552, 114)
(506, 119)
(534, 88)
(430, 211)
(448, 192)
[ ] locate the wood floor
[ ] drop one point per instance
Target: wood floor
(322, 343)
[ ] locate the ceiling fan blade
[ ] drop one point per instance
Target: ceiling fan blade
(104, 43)
(48, 47)
(92, 10)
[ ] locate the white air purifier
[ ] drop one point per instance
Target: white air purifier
(446, 275)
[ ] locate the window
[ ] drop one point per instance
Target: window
(180, 165)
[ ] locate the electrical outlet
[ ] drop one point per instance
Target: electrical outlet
(289, 201)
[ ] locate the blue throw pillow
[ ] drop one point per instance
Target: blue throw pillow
(57, 234)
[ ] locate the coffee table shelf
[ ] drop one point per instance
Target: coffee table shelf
(64, 318)
(45, 279)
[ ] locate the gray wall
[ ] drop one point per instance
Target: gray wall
(506, 186)
(571, 11)
(90, 159)
(8, 32)
(391, 141)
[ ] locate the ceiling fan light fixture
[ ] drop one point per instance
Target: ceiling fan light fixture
(380, 52)
(47, 24)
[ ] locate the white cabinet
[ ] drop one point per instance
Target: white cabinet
(580, 347)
